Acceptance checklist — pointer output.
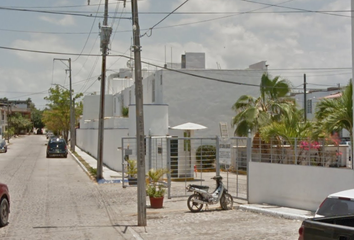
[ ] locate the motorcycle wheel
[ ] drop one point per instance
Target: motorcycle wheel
(226, 201)
(193, 206)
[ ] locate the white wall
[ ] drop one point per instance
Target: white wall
(303, 187)
(86, 139)
(91, 106)
(155, 120)
(204, 101)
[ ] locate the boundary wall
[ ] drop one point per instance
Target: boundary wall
(296, 186)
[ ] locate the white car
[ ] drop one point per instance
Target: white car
(337, 204)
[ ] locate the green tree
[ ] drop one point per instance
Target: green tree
(57, 116)
(18, 123)
(254, 113)
(290, 126)
(336, 114)
(36, 117)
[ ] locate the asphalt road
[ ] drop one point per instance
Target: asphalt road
(55, 199)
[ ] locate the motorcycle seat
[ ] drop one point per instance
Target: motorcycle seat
(199, 186)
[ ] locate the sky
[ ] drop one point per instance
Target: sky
(295, 37)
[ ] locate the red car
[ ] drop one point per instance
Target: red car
(4, 204)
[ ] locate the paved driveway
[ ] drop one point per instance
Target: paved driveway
(54, 199)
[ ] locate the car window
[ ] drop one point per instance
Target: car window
(336, 207)
(56, 144)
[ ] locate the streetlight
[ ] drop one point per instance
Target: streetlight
(72, 116)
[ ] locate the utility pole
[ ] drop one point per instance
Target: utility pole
(72, 108)
(305, 106)
(105, 36)
(139, 116)
(72, 114)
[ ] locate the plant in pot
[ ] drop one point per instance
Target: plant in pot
(132, 171)
(156, 187)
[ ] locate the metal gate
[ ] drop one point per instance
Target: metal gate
(194, 161)
(155, 154)
(191, 161)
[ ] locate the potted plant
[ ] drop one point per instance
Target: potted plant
(156, 187)
(132, 171)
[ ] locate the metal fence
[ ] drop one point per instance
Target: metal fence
(323, 152)
(155, 154)
(193, 161)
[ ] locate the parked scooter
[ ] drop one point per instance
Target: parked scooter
(201, 196)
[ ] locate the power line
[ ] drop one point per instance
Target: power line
(293, 8)
(98, 8)
(52, 12)
(161, 67)
(150, 29)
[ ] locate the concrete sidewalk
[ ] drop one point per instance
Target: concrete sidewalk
(111, 176)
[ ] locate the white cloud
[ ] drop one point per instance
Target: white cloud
(64, 21)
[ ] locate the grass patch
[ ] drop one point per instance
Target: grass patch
(91, 171)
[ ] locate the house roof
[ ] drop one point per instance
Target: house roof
(334, 95)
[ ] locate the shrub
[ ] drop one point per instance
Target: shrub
(206, 155)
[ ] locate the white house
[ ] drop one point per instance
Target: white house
(313, 97)
(171, 97)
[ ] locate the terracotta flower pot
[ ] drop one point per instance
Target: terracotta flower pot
(156, 202)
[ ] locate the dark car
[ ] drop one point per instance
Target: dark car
(3, 146)
(4, 204)
(56, 147)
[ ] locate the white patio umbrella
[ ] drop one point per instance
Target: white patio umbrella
(189, 126)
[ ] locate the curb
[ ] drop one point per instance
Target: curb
(277, 213)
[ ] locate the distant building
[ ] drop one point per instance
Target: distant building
(315, 96)
(171, 97)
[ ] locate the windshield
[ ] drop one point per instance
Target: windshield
(57, 145)
(336, 207)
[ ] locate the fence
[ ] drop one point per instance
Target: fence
(193, 161)
(302, 152)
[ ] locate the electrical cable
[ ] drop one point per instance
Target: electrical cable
(52, 12)
(155, 65)
(293, 8)
(150, 29)
(98, 8)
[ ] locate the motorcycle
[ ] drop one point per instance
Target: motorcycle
(201, 196)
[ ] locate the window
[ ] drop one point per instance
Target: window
(309, 106)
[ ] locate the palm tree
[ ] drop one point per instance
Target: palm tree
(289, 127)
(253, 113)
(333, 115)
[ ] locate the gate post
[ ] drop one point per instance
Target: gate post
(249, 159)
(150, 154)
(217, 157)
(168, 159)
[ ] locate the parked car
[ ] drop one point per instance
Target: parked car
(56, 147)
(4, 204)
(3, 146)
(49, 134)
(337, 204)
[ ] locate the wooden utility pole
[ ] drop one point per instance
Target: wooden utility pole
(72, 116)
(139, 117)
(105, 36)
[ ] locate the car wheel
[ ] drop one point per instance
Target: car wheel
(66, 155)
(47, 155)
(4, 212)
